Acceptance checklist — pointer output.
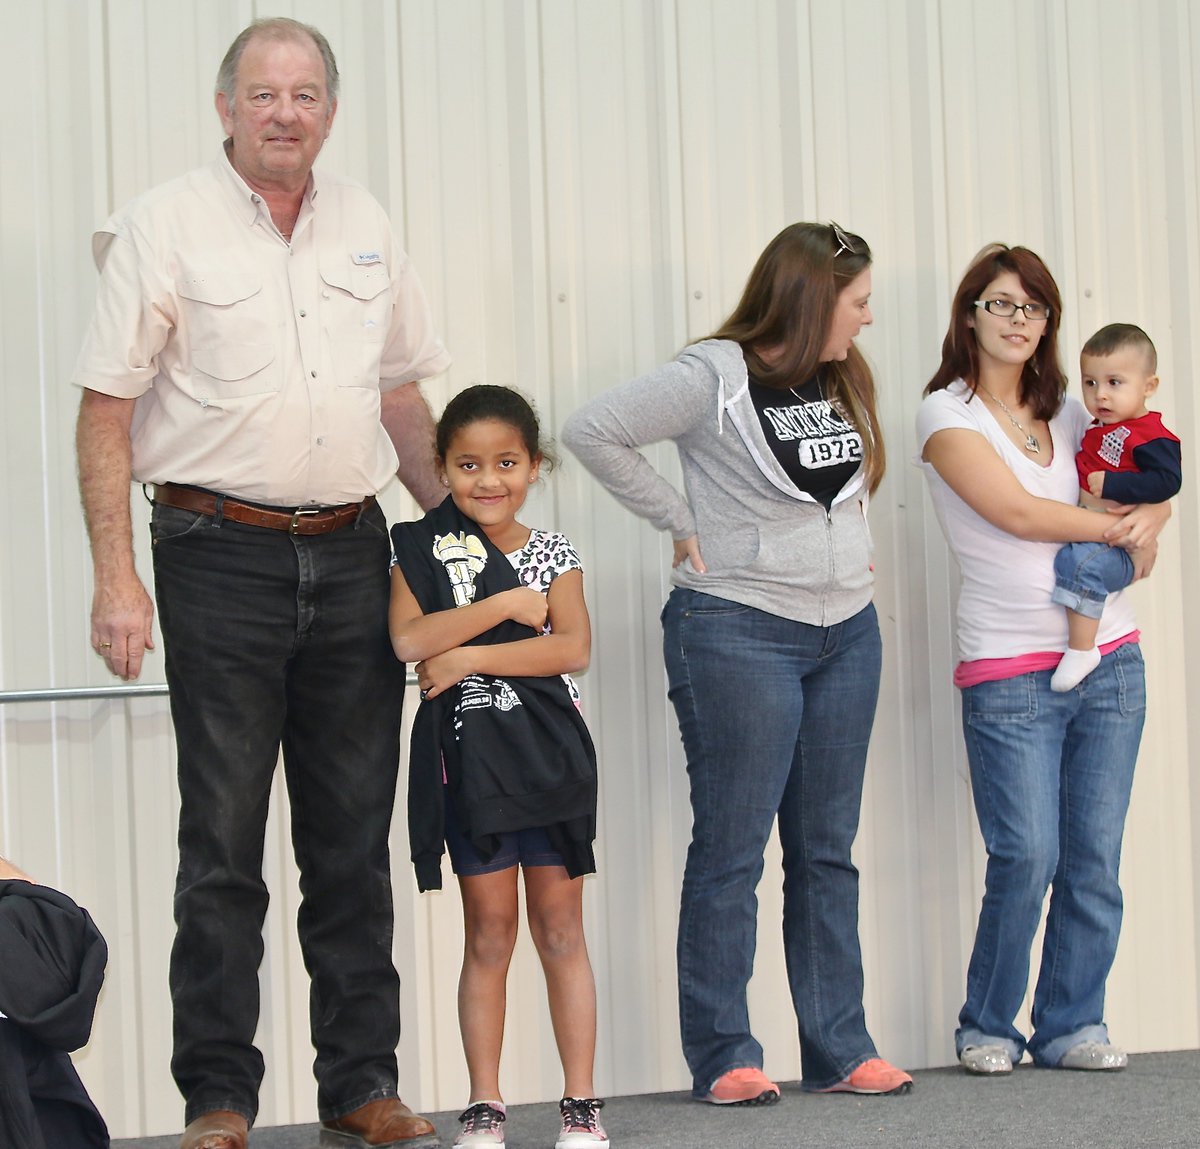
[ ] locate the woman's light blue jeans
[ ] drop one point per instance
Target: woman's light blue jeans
(775, 717)
(1051, 775)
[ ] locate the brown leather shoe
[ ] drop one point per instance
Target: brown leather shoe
(220, 1129)
(384, 1124)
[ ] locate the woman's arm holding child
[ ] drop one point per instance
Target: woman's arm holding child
(1138, 527)
(1137, 533)
(416, 636)
(565, 650)
(971, 468)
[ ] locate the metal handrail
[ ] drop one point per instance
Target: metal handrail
(132, 690)
(71, 693)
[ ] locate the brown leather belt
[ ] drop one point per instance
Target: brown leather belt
(301, 521)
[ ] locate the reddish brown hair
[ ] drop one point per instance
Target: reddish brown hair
(1043, 383)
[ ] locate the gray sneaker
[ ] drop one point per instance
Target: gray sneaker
(1094, 1055)
(986, 1059)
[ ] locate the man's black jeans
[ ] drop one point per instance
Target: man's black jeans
(277, 640)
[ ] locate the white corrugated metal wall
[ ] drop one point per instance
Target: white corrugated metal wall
(584, 186)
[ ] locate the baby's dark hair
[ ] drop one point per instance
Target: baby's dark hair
(1118, 335)
(485, 402)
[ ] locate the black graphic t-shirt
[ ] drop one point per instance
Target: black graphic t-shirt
(815, 444)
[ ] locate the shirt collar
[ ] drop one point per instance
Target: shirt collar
(250, 205)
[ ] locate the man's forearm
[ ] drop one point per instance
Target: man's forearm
(409, 423)
(122, 612)
(102, 442)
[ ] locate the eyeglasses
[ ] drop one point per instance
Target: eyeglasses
(842, 240)
(1005, 308)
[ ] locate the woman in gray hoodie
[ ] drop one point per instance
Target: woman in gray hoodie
(771, 644)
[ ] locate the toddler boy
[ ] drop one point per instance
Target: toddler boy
(1127, 456)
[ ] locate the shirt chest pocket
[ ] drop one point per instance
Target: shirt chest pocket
(231, 338)
(356, 308)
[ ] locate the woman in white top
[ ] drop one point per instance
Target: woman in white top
(1050, 773)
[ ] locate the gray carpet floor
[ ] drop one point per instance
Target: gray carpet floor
(1154, 1104)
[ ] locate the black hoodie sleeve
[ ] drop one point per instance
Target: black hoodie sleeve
(50, 979)
(53, 966)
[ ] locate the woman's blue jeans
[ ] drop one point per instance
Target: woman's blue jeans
(1051, 775)
(775, 717)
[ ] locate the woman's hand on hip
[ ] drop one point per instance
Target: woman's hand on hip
(689, 549)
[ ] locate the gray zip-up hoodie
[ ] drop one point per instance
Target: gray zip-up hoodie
(766, 543)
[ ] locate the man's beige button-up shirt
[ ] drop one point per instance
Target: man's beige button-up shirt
(257, 365)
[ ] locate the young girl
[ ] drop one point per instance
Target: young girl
(493, 615)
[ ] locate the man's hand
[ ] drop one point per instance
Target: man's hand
(122, 620)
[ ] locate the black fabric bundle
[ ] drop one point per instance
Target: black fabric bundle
(52, 961)
(515, 751)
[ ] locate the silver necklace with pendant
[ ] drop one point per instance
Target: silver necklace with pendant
(1031, 440)
(820, 394)
(834, 406)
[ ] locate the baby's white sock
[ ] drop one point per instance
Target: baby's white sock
(1075, 666)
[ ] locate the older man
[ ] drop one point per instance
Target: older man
(253, 360)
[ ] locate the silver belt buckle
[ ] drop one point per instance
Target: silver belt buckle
(300, 513)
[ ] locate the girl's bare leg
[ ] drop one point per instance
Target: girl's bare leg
(490, 921)
(554, 903)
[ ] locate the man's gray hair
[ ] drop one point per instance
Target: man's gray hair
(276, 28)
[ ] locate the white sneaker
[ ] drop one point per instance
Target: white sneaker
(482, 1124)
(1094, 1055)
(581, 1128)
(986, 1060)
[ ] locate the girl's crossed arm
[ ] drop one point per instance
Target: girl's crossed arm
(435, 641)
(416, 636)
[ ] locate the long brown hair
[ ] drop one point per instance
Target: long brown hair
(1043, 383)
(786, 310)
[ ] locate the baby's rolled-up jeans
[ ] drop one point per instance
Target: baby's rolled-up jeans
(1085, 574)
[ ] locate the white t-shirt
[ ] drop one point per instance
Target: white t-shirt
(538, 563)
(1004, 606)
